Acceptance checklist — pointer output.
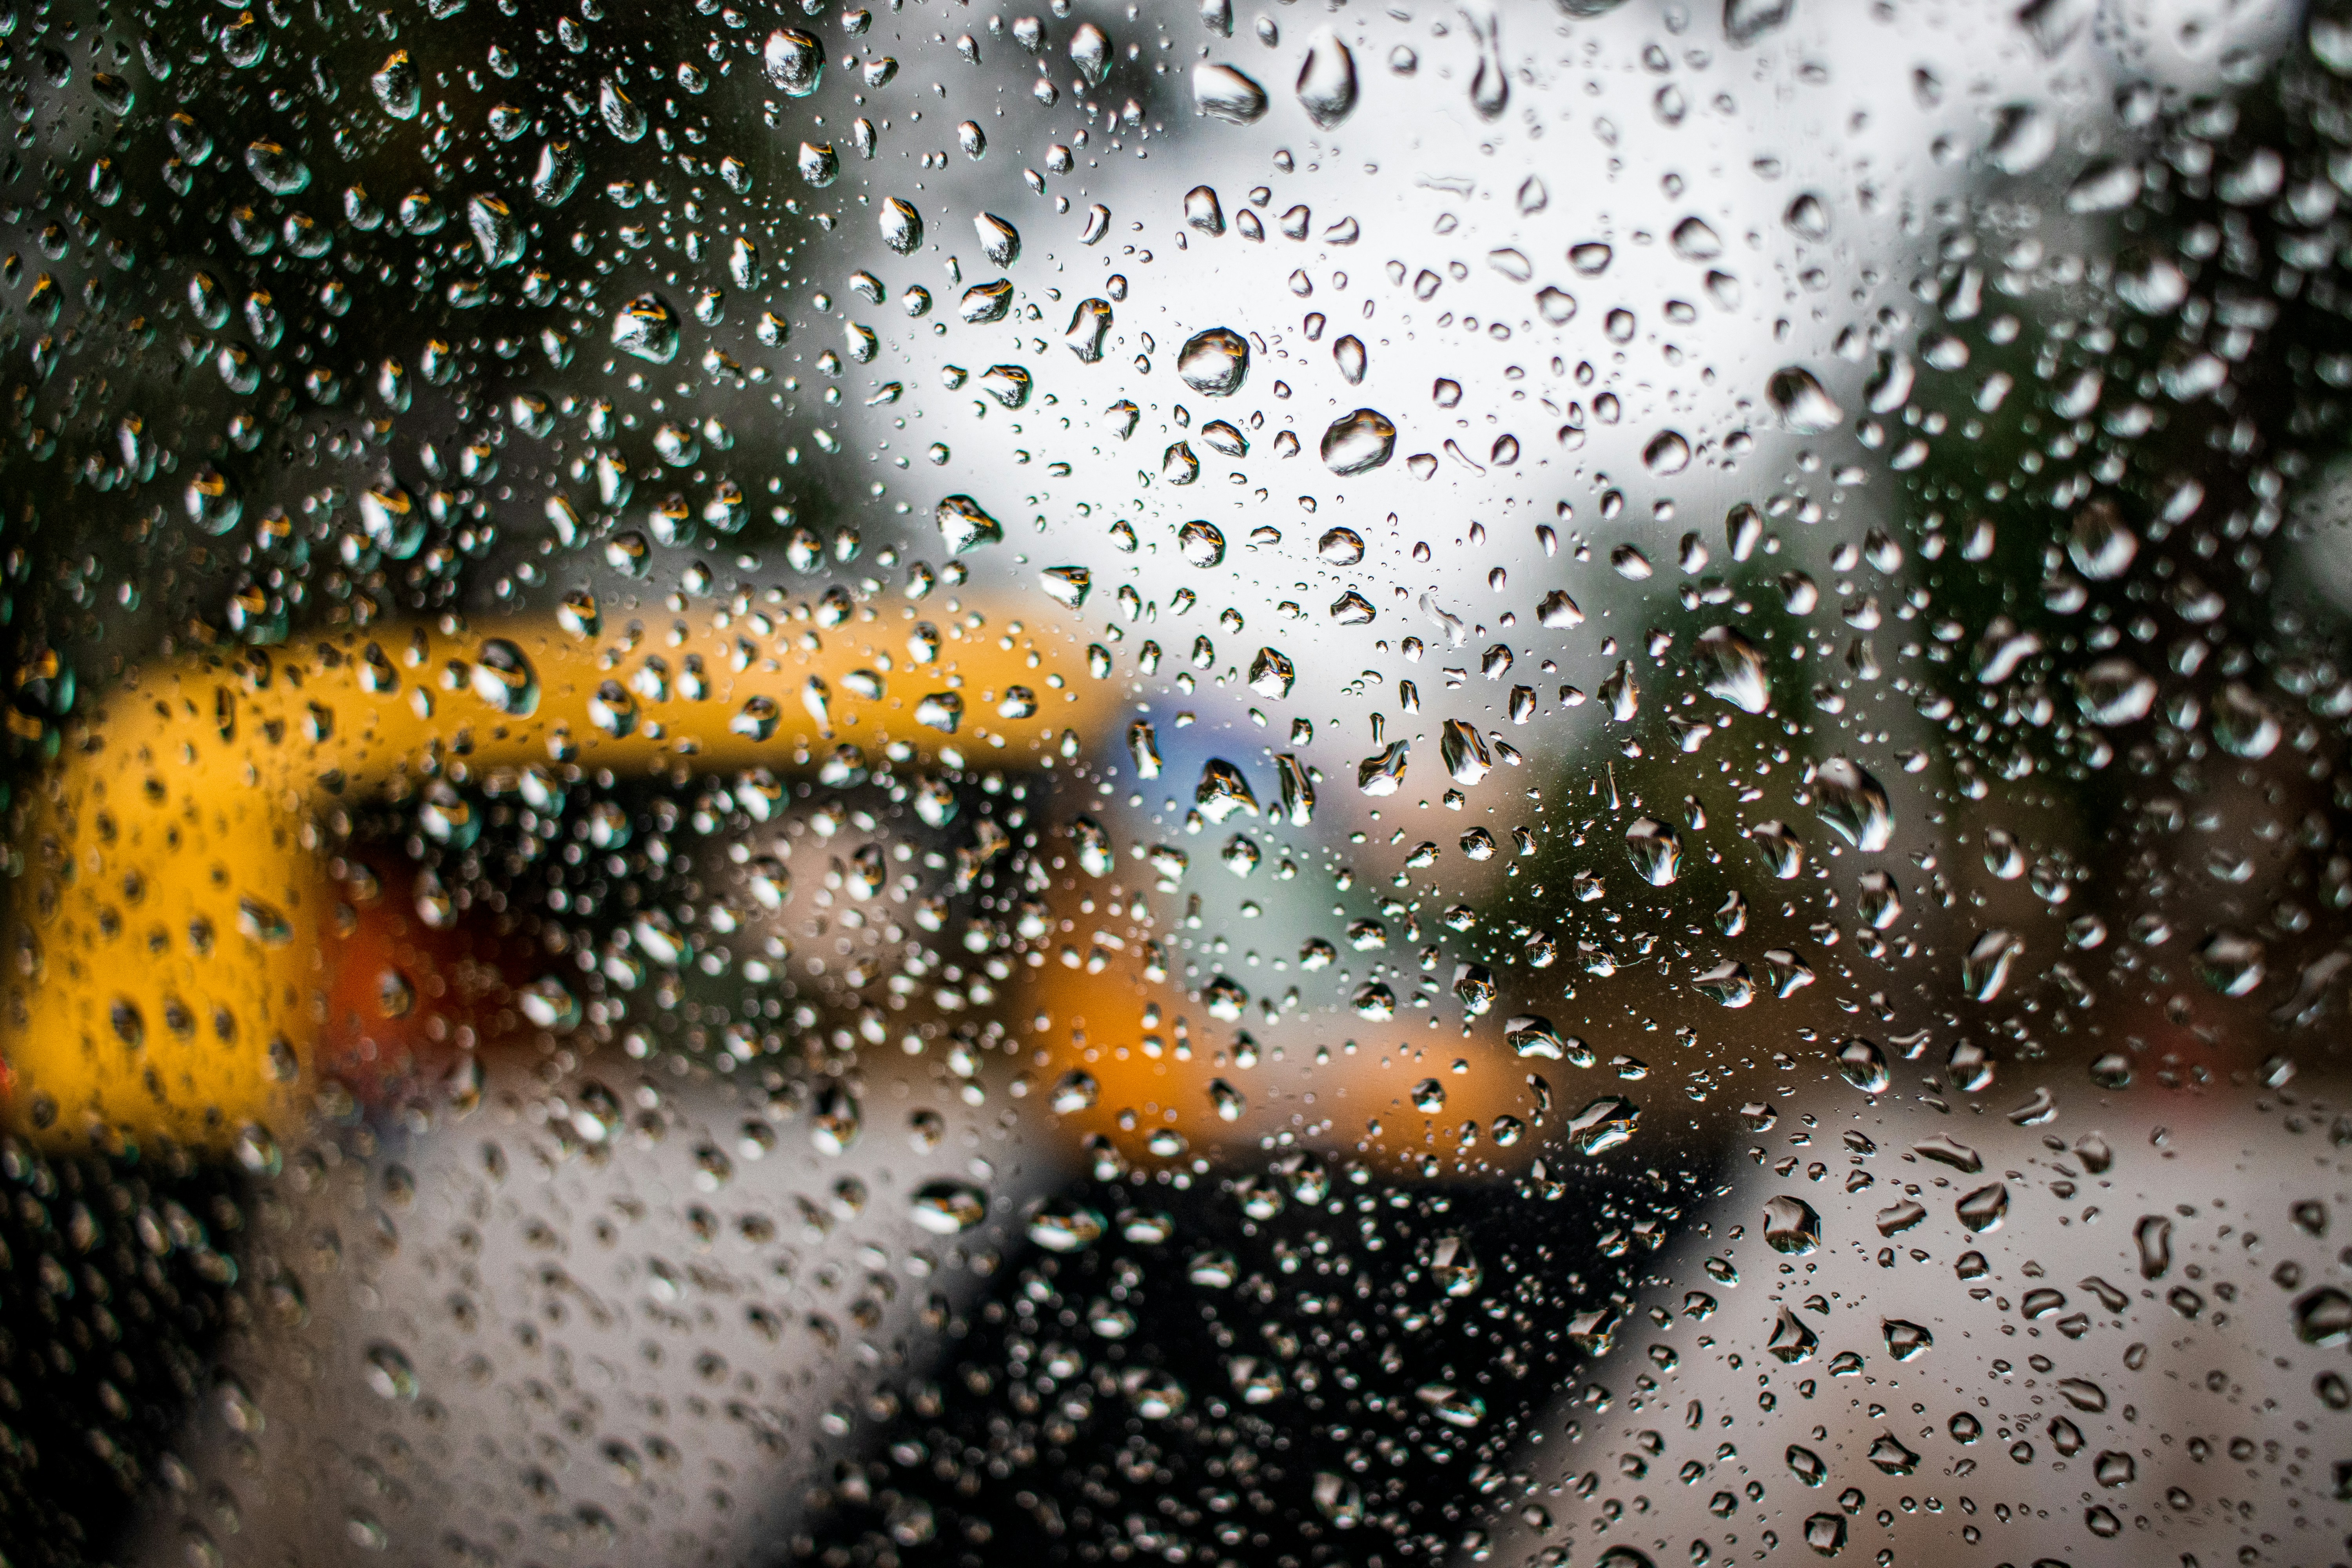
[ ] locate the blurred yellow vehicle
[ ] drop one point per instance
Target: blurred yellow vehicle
(191, 959)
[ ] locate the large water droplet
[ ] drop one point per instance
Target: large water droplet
(1357, 442)
(1383, 772)
(1793, 1341)
(1805, 407)
(964, 525)
(1745, 21)
(648, 327)
(1201, 543)
(1222, 789)
(1667, 453)
(2149, 281)
(1984, 968)
(2324, 1317)
(2100, 545)
(1558, 610)
(1326, 79)
(1090, 324)
(397, 86)
(503, 677)
(1214, 362)
(211, 501)
(1854, 804)
(1790, 1224)
(794, 62)
(2022, 140)
(1734, 669)
(392, 520)
(998, 240)
(836, 1120)
(1221, 92)
(1605, 1124)
(561, 168)
(2105, 185)
(2244, 724)
(1783, 852)
(1065, 1227)
(623, 116)
(1984, 1209)
(901, 226)
(2230, 963)
(1862, 1064)
(1076, 1090)
(1463, 750)
(1490, 82)
(388, 1372)
(1090, 51)
(1656, 849)
(279, 170)
(498, 235)
(947, 1208)
(1272, 673)
(1905, 1338)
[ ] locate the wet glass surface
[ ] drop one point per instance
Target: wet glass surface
(1324, 786)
